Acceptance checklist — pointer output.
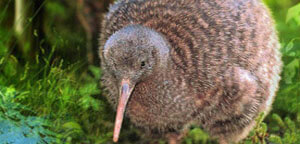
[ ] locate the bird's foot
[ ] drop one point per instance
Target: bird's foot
(175, 138)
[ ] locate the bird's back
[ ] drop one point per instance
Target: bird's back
(206, 36)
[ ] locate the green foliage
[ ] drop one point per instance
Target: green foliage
(61, 28)
(17, 128)
(259, 134)
(61, 96)
(279, 131)
(294, 14)
(288, 100)
(196, 135)
(288, 97)
(288, 130)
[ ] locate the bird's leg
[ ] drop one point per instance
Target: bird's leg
(222, 140)
(175, 138)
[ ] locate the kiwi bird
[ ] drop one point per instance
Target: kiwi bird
(168, 64)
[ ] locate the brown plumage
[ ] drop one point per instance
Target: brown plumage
(173, 63)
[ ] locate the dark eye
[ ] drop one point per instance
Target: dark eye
(143, 64)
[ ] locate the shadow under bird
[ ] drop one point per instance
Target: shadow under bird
(168, 64)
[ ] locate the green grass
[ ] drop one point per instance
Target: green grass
(55, 98)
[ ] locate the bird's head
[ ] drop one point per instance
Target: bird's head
(132, 55)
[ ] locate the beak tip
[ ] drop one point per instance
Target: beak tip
(115, 139)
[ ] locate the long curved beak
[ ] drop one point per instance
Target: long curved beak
(126, 90)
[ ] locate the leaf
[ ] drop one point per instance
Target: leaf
(290, 124)
(17, 128)
(278, 119)
(72, 125)
(289, 46)
(10, 69)
(96, 71)
(35, 33)
(293, 13)
(290, 71)
(275, 139)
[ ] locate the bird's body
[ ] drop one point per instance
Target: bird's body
(219, 63)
